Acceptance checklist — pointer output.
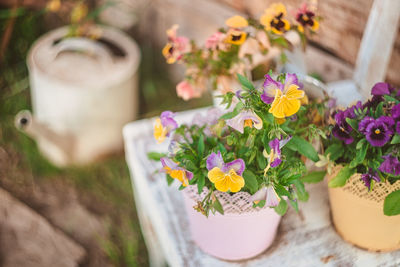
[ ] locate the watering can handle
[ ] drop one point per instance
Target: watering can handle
(86, 45)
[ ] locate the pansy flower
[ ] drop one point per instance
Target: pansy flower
(176, 45)
(395, 112)
(342, 130)
(274, 19)
(268, 194)
(186, 91)
(285, 98)
(235, 34)
(368, 177)
(306, 18)
(164, 125)
(216, 41)
(378, 132)
(225, 176)
(390, 165)
(274, 157)
(172, 169)
(246, 118)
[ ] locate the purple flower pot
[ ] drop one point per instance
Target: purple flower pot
(241, 233)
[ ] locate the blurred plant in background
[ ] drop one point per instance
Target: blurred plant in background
(246, 46)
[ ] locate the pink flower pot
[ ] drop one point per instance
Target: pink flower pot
(241, 233)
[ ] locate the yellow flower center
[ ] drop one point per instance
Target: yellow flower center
(377, 131)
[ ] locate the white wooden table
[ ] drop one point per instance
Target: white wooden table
(305, 239)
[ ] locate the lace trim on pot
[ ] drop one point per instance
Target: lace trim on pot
(232, 204)
(356, 186)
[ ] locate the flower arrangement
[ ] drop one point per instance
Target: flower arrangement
(254, 146)
(242, 46)
(366, 140)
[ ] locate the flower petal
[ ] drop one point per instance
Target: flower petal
(261, 194)
(237, 165)
(236, 22)
(272, 198)
(214, 160)
(216, 175)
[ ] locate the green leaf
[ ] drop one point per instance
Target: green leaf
(379, 110)
(245, 82)
(341, 178)
(361, 153)
(170, 180)
(281, 190)
(250, 181)
(313, 177)
(218, 207)
(155, 156)
(301, 191)
(201, 180)
(261, 160)
(303, 147)
(334, 151)
(294, 204)
(200, 146)
(282, 207)
(396, 139)
(234, 113)
(260, 203)
(391, 99)
(361, 143)
(391, 206)
(353, 123)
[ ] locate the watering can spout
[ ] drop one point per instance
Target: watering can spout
(58, 148)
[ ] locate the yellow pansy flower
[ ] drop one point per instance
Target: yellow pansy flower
(274, 19)
(237, 22)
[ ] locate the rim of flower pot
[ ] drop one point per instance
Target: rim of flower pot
(128, 46)
(250, 211)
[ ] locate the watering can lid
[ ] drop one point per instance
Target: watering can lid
(85, 61)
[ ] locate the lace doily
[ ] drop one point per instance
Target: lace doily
(236, 203)
(356, 186)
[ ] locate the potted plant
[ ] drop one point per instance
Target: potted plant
(83, 80)
(249, 47)
(364, 171)
(235, 166)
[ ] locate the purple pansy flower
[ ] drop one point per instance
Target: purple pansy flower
(368, 177)
(398, 127)
(342, 129)
(216, 160)
(167, 120)
(164, 126)
(390, 165)
(245, 118)
(172, 169)
(274, 145)
(362, 126)
(381, 89)
(270, 86)
(268, 194)
(274, 157)
(378, 132)
(396, 112)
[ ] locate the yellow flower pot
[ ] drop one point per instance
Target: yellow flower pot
(358, 214)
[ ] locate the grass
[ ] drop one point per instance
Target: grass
(108, 181)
